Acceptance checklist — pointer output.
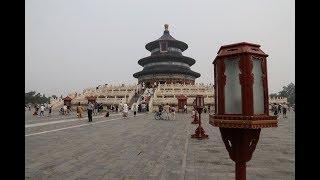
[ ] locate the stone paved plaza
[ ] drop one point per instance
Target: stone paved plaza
(139, 148)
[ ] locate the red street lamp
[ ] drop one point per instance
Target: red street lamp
(199, 104)
(195, 118)
(67, 101)
(241, 94)
(91, 99)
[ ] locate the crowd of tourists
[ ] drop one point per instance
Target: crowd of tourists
(278, 109)
(39, 109)
(94, 108)
(170, 110)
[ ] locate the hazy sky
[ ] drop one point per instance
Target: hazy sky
(76, 44)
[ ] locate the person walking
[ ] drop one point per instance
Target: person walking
(50, 110)
(193, 113)
(160, 109)
(275, 112)
(284, 111)
(134, 109)
(79, 110)
(173, 112)
(125, 111)
(167, 108)
(90, 108)
(42, 110)
(36, 109)
(100, 108)
(120, 109)
(143, 106)
(185, 108)
(95, 110)
(68, 110)
(107, 113)
(65, 109)
(279, 108)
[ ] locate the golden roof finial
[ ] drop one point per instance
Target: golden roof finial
(166, 26)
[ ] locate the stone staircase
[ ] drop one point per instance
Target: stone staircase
(135, 98)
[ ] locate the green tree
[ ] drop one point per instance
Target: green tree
(273, 95)
(35, 98)
(31, 93)
(288, 92)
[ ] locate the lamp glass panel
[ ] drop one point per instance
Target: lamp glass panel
(258, 97)
(233, 101)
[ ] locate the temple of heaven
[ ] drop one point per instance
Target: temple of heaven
(166, 64)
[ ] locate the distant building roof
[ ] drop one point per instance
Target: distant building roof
(67, 98)
(167, 37)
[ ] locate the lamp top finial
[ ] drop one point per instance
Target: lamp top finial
(166, 26)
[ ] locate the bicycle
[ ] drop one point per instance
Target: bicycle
(161, 116)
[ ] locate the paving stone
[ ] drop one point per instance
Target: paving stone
(142, 148)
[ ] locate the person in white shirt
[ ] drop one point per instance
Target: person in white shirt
(125, 111)
(134, 108)
(65, 109)
(173, 111)
(193, 113)
(185, 108)
(42, 110)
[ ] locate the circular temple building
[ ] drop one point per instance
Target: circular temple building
(166, 64)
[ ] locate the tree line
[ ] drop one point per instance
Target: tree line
(288, 92)
(36, 98)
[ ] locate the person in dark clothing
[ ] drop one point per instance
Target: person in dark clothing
(100, 107)
(284, 112)
(90, 108)
(36, 109)
(107, 114)
(50, 110)
(275, 112)
(61, 111)
(95, 110)
(160, 109)
(279, 108)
